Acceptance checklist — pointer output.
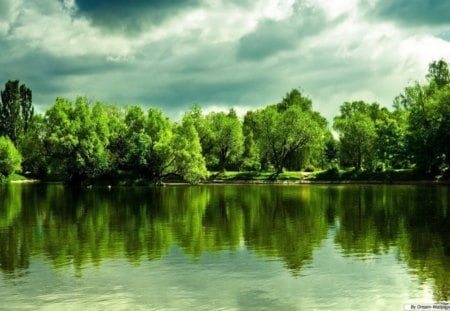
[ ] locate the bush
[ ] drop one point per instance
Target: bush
(331, 174)
(10, 158)
(309, 168)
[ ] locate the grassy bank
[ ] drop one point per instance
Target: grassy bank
(331, 175)
(324, 176)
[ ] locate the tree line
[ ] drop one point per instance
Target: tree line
(82, 140)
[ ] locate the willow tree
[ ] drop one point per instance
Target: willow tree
(280, 134)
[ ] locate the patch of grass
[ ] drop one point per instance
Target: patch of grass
(15, 177)
(254, 175)
(333, 174)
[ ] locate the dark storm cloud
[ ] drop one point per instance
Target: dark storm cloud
(269, 38)
(415, 12)
(130, 16)
(272, 37)
(50, 76)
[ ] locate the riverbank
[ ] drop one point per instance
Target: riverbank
(332, 176)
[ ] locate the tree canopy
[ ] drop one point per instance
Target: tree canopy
(85, 140)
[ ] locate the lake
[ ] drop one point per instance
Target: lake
(223, 247)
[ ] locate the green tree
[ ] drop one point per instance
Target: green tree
(10, 158)
(32, 147)
(137, 142)
(76, 140)
(281, 134)
(16, 110)
(205, 134)
(357, 134)
(161, 158)
(227, 140)
(428, 114)
(439, 73)
(391, 140)
(188, 160)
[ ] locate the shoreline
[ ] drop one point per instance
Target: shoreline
(258, 182)
(324, 182)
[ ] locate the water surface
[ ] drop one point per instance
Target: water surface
(255, 247)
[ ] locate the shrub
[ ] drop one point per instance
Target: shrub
(10, 158)
(309, 168)
(330, 174)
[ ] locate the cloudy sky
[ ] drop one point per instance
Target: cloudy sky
(236, 53)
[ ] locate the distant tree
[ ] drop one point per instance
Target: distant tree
(227, 140)
(10, 158)
(76, 140)
(330, 150)
(428, 115)
(281, 134)
(137, 142)
(438, 73)
(295, 98)
(32, 147)
(391, 140)
(188, 160)
(159, 129)
(16, 110)
(203, 129)
(357, 134)
(118, 142)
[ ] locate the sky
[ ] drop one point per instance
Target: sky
(220, 54)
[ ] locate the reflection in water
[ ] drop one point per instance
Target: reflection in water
(76, 227)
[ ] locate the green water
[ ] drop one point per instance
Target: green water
(223, 247)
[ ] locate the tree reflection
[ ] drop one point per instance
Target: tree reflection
(414, 219)
(78, 227)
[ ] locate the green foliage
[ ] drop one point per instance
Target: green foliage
(428, 117)
(76, 140)
(226, 138)
(280, 134)
(10, 158)
(32, 147)
(81, 141)
(16, 110)
(188, 159)
(357, 135)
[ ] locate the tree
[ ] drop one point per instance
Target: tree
(203, 129)
(188, 160)
(76, 140)
(428, 116)
(391, 140)
(159, 129)
(227, 140)
(357, 134)
(16, 110)
(281, 134)
(439, 73)
(32, 147)
(10, 158)
(137, 141)
(295, 98)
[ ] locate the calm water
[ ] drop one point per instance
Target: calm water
(223, 247)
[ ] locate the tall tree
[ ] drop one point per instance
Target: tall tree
(32, 148)
(281, 134)
(428, 112)
(439, 73)
(227, 140)
(76, 141)
(357, 134)
(16, 110)
(188, 160)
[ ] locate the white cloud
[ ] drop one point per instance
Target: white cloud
(9, 11)
(192, 57)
